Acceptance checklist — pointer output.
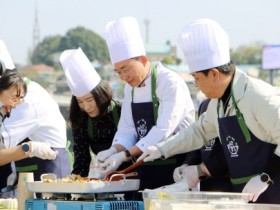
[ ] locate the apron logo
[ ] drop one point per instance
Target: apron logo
(209, 146)
(142, 128)
(232, 146)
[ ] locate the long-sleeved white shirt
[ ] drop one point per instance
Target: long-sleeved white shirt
(37, 118)
(176, 110)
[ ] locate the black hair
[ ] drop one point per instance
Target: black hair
(11, 77)
(227, 69)
(102, 95)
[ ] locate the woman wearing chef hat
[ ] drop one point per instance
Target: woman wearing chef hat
(244, 112)
(156, 104)
(12, 92)
(94, 115)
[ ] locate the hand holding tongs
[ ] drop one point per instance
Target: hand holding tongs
(111, 177)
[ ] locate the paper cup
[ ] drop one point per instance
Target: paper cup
(23, 194)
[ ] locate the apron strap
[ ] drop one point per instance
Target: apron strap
(242, 180)
(26, 80)
(115, 118)
(27, 168)
(154, 95)
(241, 120)
(70, 155)
(240, 117)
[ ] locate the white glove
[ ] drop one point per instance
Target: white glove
(103, 155)
(151, 154)
(12, 178)
(178, 173)
(255, 187)
(190, 174)
(112, 163)
(42, 150)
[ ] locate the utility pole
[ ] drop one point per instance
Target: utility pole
(147, 24)
(36, 29)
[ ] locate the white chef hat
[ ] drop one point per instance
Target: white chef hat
(205, 45)
(124, 39)
(81, 76)
(5, 56)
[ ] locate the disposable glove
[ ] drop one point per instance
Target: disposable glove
(42, 150)
(190, 174)
(103, 155)
(178, 173)
(255, 187)
(151, 154)
(112, 163)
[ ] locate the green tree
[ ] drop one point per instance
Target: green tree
(94, 46)
(247, 54)
(44, 51)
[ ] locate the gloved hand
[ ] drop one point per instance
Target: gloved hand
(190, 174)
(12, 179)
(42, 150)
(112, 163)
(103, 155)
(151, 154)
(255, 187)
(178, 173)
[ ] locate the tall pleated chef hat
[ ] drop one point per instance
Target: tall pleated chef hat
(124, 39)
(205, 45)
(5, 56)
(81, 76)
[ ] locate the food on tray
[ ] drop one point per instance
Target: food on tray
(73, 178)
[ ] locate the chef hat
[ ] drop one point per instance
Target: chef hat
(123, 39)
(5, 56)
(205, 45)
(81, 76)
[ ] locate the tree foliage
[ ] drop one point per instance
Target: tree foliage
(92, 44)
(44, 51)
(247, 54)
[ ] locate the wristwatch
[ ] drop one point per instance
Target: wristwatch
(266, 178)
(25, 147)
(201, 175)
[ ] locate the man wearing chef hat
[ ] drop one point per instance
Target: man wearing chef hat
(244, 112)
(156, 105)
(37, 119)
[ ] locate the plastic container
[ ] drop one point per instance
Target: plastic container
(160, 200)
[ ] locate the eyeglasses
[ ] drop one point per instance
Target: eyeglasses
(15, 100)
(126, 72)
(123, 73)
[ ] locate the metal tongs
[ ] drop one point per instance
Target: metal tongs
(118, 175)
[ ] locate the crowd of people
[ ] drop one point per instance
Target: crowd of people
(231, 147)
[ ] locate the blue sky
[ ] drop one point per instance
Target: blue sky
(246, 21)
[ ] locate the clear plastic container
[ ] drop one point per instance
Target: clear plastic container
(162, 200)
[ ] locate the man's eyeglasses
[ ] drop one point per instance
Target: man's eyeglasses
(126, 72)
(123, 73)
